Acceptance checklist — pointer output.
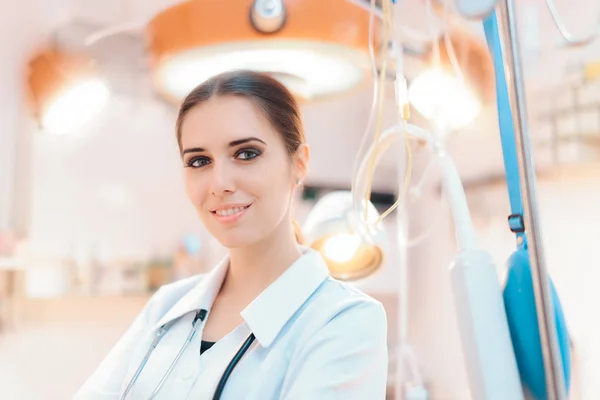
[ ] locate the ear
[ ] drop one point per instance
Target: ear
(301, 160)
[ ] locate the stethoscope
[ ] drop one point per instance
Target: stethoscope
(200, 315)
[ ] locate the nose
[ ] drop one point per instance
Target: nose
(221, 179)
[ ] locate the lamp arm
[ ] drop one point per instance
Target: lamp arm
(465, 232)
(463, 226)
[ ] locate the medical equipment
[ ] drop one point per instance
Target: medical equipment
(543, 352)
(361, 188)
(478, 265)
(481, 9)
(362, 179)
(329, 229)
(570, 39)
(519, 298)
(362, 195)
(268, 16)
(234, 361)
(163, 330)
(491, 365)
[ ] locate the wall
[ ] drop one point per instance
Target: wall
(24, 27)
(116, 186)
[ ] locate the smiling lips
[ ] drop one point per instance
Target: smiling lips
(230, 214)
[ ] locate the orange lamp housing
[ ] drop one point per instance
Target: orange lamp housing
(474, 61)
(321, 50)
(65, 91)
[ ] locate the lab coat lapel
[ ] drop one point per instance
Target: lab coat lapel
(201, 296)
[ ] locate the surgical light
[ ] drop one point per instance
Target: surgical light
(66, 91)
(316, 48)
(332, 228)
(443, 99)
(75, 106)
(457, 82)
(342, 247)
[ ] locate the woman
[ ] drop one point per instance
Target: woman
(302, 334)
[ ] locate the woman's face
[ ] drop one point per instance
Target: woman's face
(238, 173)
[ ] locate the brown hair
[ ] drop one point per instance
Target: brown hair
(271, 97)
(268, 94)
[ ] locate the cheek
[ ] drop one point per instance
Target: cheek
(275, 186)
(194, 187)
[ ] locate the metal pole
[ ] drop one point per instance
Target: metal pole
(555, 385)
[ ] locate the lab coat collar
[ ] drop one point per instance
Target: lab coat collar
(201, 296)
(270, 311)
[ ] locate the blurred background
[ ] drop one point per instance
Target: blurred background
(94, 218)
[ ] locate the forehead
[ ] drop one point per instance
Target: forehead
(223, 119)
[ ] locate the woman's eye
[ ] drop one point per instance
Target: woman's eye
(198, 162)
(247, 154)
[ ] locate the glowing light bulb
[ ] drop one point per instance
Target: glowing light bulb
(75, 106)
(444, 99)
(341, 248)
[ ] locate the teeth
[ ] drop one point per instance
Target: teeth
(230, 211)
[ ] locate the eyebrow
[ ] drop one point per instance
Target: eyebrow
(231, 144)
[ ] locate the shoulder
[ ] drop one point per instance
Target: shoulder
(341, 337)
(340, 307)
(334, 298)
(346, 300)
(336, 302)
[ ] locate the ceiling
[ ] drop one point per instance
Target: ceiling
(335, 127)
(117, 184)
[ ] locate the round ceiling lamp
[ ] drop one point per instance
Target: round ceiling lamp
(316, 48)
(331, 229)
(65, 90)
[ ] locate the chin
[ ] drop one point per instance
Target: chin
(233, 240)
(243, 234)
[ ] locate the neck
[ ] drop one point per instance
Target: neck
(253, 268)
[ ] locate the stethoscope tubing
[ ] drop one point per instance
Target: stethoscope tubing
(236, 358)
(200, 315)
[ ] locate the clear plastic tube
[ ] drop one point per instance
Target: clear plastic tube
(363, 144)
(451, 180)
(450, 46)
(362, 192)
(568, 36)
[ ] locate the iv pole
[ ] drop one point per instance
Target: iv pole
(553, 369)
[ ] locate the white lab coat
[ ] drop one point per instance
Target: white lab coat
(316, 338)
